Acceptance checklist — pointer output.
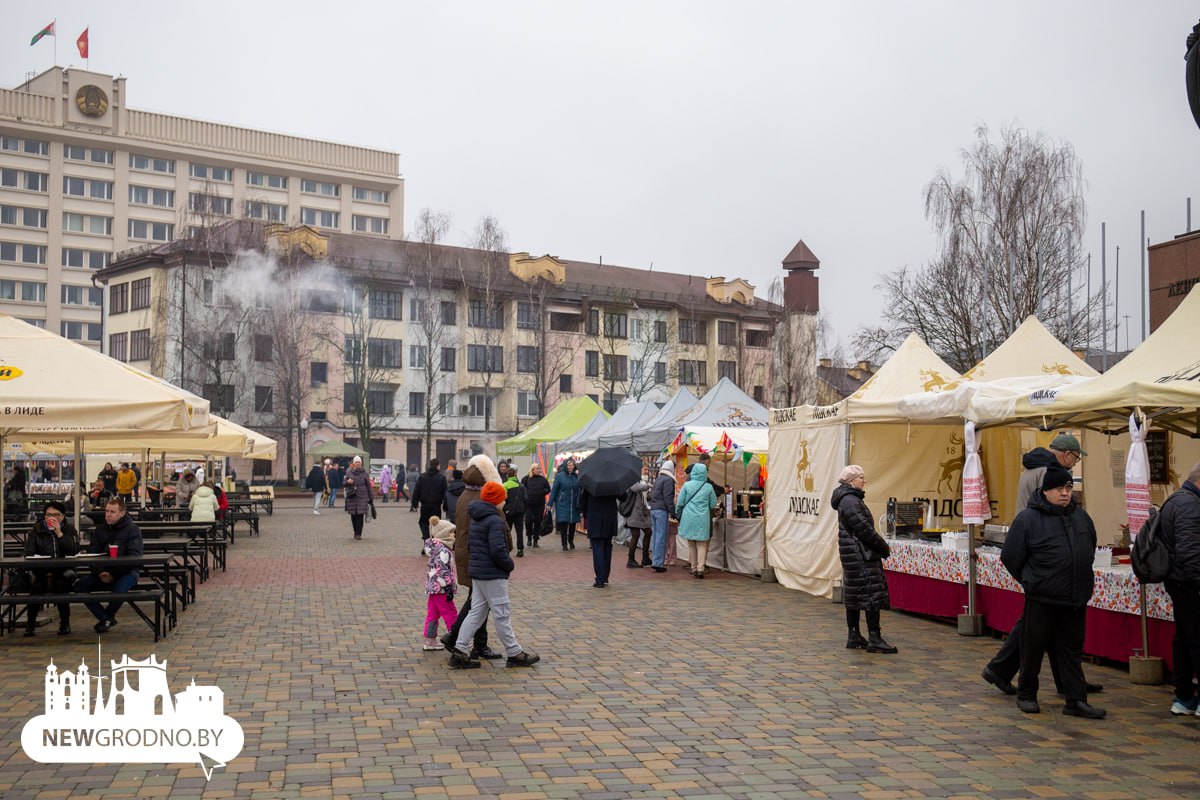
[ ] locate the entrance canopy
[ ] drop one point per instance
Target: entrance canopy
(563, 421)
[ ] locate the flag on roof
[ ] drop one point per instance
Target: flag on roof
(46, 31)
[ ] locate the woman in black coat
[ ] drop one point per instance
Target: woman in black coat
(536, 489)
(55, 537)
(862, 550)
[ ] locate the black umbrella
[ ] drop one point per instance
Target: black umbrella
(609, 472)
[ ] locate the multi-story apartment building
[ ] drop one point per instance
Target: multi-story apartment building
(83, 175)
(280, 326)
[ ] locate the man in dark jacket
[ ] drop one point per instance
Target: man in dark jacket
(1180, 529)
(662, 504)
(336, 476)
(454, 490)
(1064, 452)
(430, 493)
(116, 529)
(490, 566)
(1049, 549)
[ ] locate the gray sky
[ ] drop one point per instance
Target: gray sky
(702, 137)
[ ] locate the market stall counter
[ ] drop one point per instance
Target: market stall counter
(931, 579)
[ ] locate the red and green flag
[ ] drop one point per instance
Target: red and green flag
(46, 31)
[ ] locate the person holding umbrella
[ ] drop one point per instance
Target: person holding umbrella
(605, 475)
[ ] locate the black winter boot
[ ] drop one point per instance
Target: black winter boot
(855, 640)
(877, 644)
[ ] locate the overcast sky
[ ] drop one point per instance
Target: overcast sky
(705, 138)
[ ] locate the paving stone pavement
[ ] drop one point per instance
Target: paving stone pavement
(657, 686)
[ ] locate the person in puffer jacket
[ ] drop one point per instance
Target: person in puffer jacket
(1049, 549)
(862, 550)
(1180, 529)
(480, 469)
(490, 566)
(204, 504)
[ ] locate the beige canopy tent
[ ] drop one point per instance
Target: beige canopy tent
(220, 438)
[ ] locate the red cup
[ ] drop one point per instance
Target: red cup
(112, 551)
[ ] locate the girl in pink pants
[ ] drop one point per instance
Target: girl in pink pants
(440, 583)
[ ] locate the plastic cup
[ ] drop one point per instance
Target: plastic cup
(112, 551)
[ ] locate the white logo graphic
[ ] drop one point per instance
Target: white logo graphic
(137, 722)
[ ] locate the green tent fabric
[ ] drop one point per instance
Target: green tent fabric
(563, 421)
(336, 449)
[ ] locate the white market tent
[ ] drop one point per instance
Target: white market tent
(658, 431)
(620, 429)
(725, 410)
(581, 442)
(220, 438)
(811, 444)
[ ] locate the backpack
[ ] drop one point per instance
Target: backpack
(628, 504)
(1149, 555)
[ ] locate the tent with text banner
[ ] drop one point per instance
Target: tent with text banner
(811, 444)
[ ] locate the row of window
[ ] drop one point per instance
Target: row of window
(27, 291)
(35, 147)
(17, 253)
(20, 179)
(23, 217)
(103, 226)
(133, 346)
(131, 296)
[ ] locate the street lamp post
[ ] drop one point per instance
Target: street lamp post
(303, 446)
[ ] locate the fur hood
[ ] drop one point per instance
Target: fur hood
(480, 469)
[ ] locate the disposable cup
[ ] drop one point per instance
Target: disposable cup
(112, 551)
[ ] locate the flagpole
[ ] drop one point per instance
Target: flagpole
(55, 35)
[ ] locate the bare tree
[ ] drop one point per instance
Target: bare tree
(794, 348)
(428, 273)
(485, 311)
(1010, 231)
(629, 345)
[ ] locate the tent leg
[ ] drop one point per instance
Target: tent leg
(970, 623)
(77, 489)
(1145, 669)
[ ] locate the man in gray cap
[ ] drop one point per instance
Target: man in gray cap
(1064, 452)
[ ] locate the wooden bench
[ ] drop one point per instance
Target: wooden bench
(10, 614)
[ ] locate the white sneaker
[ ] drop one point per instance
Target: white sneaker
(1180, 709)
(316, 513)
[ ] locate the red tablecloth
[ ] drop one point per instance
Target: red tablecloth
(928, 596)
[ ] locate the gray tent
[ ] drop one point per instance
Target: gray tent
(584, 438)
(630, 417)
(657, 432)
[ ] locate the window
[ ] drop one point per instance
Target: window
(416, 404)
(693, 331)
(81, 296)
(319, 187)
(100, 156)
(527, 404)
(726, 333)
(380, 399)
(387, 305)
(564, 322)
(149, 196)
(319, 217)
(591, 364)
(148, 164)
(34, 292)
(527, 317)
(353, 298)
(479, 405)
(449, 312)
(87, 223)
(593, 322)
(480, 316)
(616, 368)
(445, 404)
(75, 152)
(84, 259)
(269, 181)
(758, 338)
(29, 181)
(448, 358)
(205, 172)
(637, 370)
(385, 353)
(156, 231)
(637, 328)
(264, 347)
(139, 345)
(118, 298)
(693, 372)
(660, 372)
(527, 359)
(36, 147)
(364, 224)
(416, 310)
(8, 290)
(80, 331)
(484, 358)
(76, 187)
(201, 203)
(219, 397)
(139, 294)
(564, 384)
(612, 402)
(616, 326)
(352, 352)
(118, 346)
(219, 347)
(760, 395)
(371, 195)
(83, 187)
(37, 323)
(319, 373)
(727, 369)
(417, 354)
(24, 217)
(660, 330)
(264, 398)
(22, 253)
(271, 212)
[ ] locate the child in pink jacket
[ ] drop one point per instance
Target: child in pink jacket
(440, 583)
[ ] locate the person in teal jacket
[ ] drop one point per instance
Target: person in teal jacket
(564, 499)
(694, 508)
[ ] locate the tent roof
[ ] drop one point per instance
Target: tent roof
(336, 447)
(1031, 350)
(585, 437)
(657, 431)
(1161, 377)
(51, 386)
(630, 417)
(913, 368)
(562, 422)
(724, 406)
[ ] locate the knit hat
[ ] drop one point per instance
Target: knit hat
(668, 467)
(851, 473)
(493, 493)
(1066, 443)
(441, 529)
(1055, 477)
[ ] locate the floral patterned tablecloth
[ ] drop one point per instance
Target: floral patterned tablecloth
(1116, 587)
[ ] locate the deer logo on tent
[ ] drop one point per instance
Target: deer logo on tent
(1057, 369)
(952, 464)
(934, 382)
(802, 464)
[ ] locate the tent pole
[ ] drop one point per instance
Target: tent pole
(1145, 624)
(76, 488)
(3, 490)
